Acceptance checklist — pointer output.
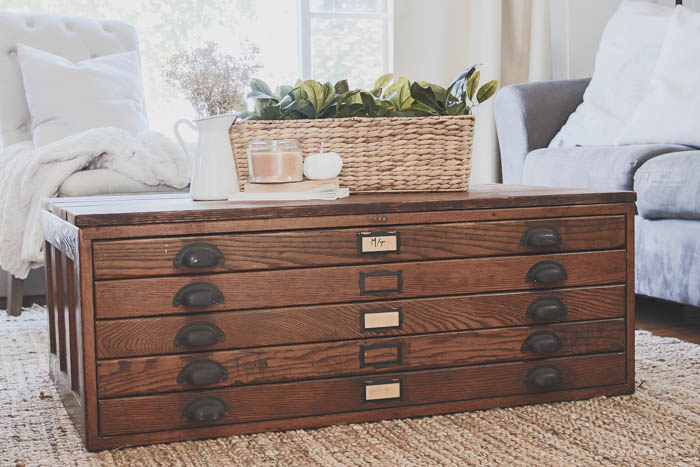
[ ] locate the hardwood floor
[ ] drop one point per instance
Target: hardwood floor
(668, 319)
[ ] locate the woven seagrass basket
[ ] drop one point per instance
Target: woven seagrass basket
(379, 154)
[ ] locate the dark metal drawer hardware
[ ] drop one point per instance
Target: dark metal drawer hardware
(378, 243)
(205, 409)
(383, 363)
(198, 294)
(546, 272)
(381, 319)
(546, 309)
(381, 292)
(544, 377)
(199, 334)
(199, 255)
(202, 373)
(542, 342)
(542, 236)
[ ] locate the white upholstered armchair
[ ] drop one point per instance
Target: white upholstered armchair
(76, 39)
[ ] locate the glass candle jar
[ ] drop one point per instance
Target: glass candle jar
(275, 161)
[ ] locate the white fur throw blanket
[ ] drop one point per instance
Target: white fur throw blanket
(29, 174)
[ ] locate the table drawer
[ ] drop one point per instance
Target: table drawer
(265, 289)
(241, 329)
(150, 375)
(305, 248)
(336, 395)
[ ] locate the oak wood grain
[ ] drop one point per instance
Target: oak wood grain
(338, 395)
(150, 375)
(112, 232)
(279, 326)
(293, 249)
(128, 211)
(262, 289)
(474, 286)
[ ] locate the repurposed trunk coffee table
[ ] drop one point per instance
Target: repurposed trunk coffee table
(171, 319)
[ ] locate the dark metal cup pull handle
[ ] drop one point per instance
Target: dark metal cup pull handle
(543, 342)
(544, 377)
(198, 294)
(199, 255)
(546, 272)
(546, 309)
(205, 409)
(202, 373)
(200, 334)
(542, 236)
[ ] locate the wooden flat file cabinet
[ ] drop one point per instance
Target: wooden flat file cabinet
(171, 319)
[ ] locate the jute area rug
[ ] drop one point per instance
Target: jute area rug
(658, 425)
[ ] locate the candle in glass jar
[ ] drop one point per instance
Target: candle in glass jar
(275, 161)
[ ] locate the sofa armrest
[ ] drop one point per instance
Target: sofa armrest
(529, 115)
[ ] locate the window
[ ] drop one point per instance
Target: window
(346, 39)
(321, 39)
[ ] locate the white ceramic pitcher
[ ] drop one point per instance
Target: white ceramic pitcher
(213, 169)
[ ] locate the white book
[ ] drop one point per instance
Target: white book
(328, 192)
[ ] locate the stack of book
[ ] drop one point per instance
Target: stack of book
(328, 189)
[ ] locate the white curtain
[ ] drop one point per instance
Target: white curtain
(435, 40)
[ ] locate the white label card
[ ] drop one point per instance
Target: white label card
(375, 392)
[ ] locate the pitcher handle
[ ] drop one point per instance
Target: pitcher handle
(179, 137)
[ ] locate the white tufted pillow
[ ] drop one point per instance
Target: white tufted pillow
(65, 98)
(626, 57)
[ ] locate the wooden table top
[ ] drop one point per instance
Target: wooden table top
(156, 208)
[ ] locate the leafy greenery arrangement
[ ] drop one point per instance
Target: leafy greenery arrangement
(391, 97)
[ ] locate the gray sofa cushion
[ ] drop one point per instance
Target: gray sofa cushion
(599, 167)
(667, 259)
(668, 186)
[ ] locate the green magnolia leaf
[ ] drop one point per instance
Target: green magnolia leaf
(473, 84)
(399, 93)
(439, 91)
(300, 91)
(457, 109)
(385, 108)
(369, 104)
(419, 107)
(328, 95)
(460, 83)
(426, 96)
(286, 101)
(348, 97)
(285, 90)
(486, 91)
(383, 81)
(307, 111)
(328, 112)
(316, 92)
(271, 113)
(260, 95)
(412, 112)
(341, 87)
(351, 110)
(320, 95)
(377, 92)
(296, 115)
(261, 86)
